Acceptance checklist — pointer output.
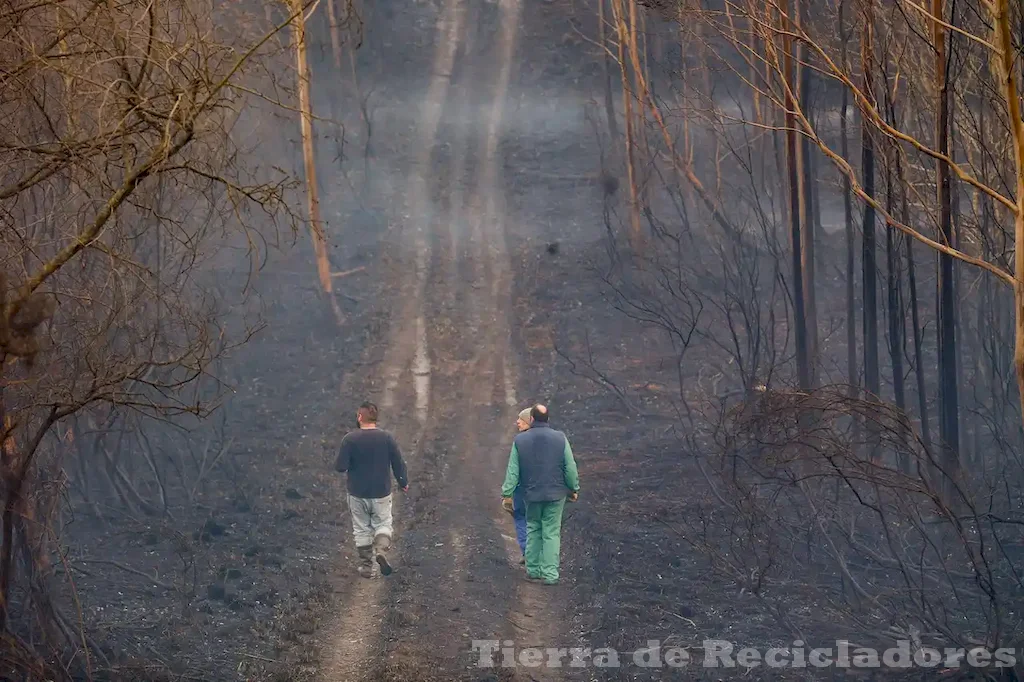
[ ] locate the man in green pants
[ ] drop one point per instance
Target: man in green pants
(541, 463)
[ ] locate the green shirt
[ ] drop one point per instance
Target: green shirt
(572, 477)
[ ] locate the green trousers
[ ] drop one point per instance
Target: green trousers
(543, 538)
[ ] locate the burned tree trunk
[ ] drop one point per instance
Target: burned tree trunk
(893, 240)
(895, 310)
(868, 265)
(796, 211)
(949, 419)
(606, 72)
(915, 321)
(624, 29)
(807, 218)
(853, 375)
(306, 115)
(1001, 20)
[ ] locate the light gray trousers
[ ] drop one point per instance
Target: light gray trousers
(370, 518)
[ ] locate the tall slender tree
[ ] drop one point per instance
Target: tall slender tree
(606, 73)
(1005, 62)
(894, 251)
(949, 417)
(796, 207)
(807, 224)
(869, 267)
(626, 30)
(853, 375)
(309, 162)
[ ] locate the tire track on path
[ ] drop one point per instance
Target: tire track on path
(360, 623)
(486, 390)
(463, 586)
(535, 619)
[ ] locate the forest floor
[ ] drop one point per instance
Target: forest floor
(485, 161)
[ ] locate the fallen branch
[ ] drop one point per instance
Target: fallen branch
(258, 658)
(676, 615)
(128, 569)
(346, 273)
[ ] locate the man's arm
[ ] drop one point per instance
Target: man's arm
(511, 473)
(398, 464)
(344, 456)
(572, 476)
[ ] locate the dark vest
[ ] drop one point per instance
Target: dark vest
(541, 463)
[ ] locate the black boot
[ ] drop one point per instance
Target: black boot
(365, 561)
(381, 545)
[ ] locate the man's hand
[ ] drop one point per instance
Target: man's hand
(405, 488)
(506, 504)
(573, 496)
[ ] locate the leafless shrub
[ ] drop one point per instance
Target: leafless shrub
(831, 538)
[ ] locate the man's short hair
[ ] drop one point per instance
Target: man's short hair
(368, 413)
(539, 413)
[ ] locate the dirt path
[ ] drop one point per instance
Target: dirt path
(449, 385)
(407, 353)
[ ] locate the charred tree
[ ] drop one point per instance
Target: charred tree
(1001, 21)
(949, 419)
(606, 72)
(915, 315)
(807, 225)
(895, 310)
(851, 253)
(868, 250)
(625, 30)
(893, 253)
(796, 208)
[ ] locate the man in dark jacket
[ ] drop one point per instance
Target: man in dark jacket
(370, 455)
(542, 463)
